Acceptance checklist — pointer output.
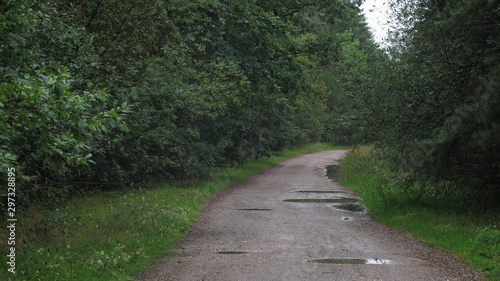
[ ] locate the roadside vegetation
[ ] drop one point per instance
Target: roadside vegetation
(99, 100)
(98, 95)
(434, 167)
(471, 232)
(114, 235)
(102, 100)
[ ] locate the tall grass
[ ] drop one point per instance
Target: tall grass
(115, 235)
(451, 226)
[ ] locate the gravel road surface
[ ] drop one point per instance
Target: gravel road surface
(249, 232)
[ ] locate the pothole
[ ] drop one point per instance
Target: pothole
(350, 207)
(351, 261)
(333, 172)
(255, 209)
(331, 200)
(231, 252)
(346, 218)
(320, 191)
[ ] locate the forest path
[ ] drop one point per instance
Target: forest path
(248, 232)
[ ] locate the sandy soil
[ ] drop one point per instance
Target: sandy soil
(232, 240)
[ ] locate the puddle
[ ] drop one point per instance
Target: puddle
(255, 209)
(332, 200)
(231, 252)
(320, 191)
(350, 207)
(351, 261)
(346, 218)
(333, 172)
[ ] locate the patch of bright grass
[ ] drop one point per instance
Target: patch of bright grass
(473, 236)
(116, 235)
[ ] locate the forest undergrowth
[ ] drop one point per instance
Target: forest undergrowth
(466, 230)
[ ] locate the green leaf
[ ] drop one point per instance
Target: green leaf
(122, 127)
(101, 97)
(112, 113)
(81, 124)
(113, 123)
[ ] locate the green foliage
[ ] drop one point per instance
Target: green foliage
(230, 84)
(351, 101)
(115, 235)
(48, 131)
(454, 227)
(36, 35)
(487, 245)
(491, 238)
(434, 109)
(211, 83)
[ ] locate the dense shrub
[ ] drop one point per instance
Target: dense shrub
(190, 85)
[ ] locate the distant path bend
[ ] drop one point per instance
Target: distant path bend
(248, 232)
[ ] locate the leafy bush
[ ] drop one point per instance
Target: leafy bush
(48, 131)
(211, 83)
(436, 113)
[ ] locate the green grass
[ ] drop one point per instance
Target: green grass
(116, 235)
(474, 236)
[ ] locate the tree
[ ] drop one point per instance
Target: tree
(203, 83)
(48, 132)
(443, 104)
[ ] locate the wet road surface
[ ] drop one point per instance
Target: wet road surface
(290, 222)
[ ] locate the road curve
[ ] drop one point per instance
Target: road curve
(248, 232)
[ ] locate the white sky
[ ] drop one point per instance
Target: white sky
(377, 14)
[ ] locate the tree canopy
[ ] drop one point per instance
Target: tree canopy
(97, 94)
(435, 106)
(108, 93)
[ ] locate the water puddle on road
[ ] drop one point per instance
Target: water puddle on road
(333, 172)
(332, 200)
(350, 207)
(320, 191)
(255, 209)
(351, 261)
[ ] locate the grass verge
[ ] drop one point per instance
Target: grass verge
(116, 235)
(474, 236)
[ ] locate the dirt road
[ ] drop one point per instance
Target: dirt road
(249, 232)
